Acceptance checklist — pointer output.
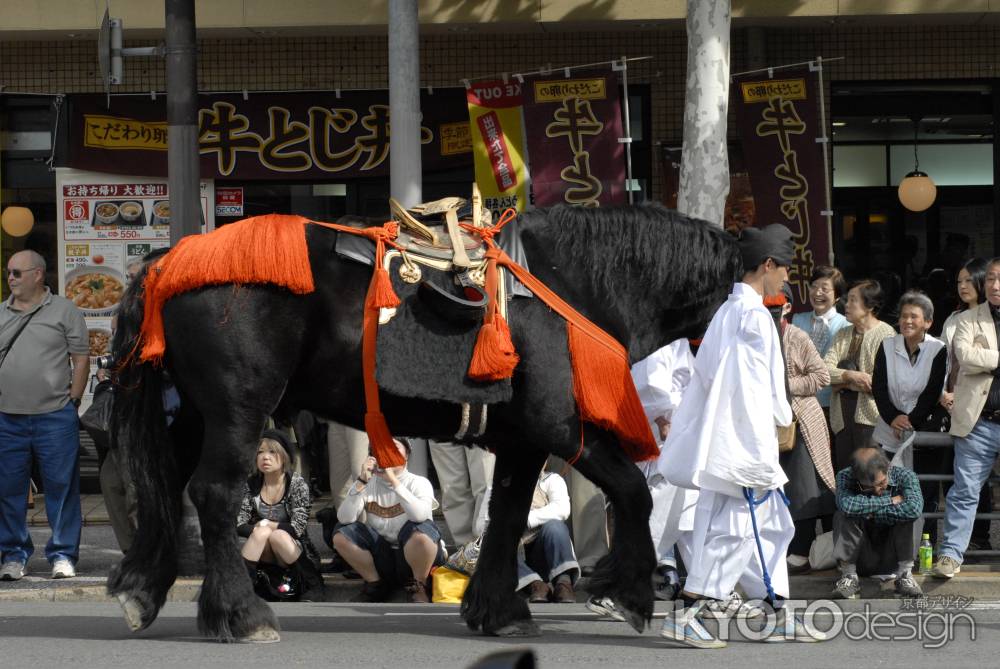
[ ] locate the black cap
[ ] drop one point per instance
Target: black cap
(759, 244)
(280, 437)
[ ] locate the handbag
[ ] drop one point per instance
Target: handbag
(821, 552)
(447, 585)
(465, 558)
(786, 436)
(97, 417)
(275, 583)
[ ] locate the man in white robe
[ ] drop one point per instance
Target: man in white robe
(660, 380)
(723, 443)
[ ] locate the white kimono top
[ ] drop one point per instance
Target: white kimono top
(661, 378)
(722, 437)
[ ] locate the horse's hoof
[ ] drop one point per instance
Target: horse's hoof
(519, 628)
(261, 635)
(132, 610)
(637, 621)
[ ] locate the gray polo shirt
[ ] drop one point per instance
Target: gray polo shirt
(36, 374)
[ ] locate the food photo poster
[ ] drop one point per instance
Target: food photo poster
(107, 224)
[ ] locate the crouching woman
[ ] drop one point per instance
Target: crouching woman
(273, 518)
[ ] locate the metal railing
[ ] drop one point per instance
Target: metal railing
(945, 440)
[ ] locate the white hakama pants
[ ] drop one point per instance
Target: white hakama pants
(724, 550)
(672, 521)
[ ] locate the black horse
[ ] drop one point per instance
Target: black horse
(239, 354)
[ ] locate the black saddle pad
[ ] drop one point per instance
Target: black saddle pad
(422, 354)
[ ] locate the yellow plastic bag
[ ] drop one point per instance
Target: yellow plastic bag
(447, 586)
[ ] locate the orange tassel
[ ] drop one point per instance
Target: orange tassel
(494, 356)
(381, 443)
(381, 294)
(606, 395)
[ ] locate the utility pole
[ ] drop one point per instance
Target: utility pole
(704, 181)
(405, 170)
(183, 173)
(184, 187)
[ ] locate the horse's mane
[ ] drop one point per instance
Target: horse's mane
(651, 244)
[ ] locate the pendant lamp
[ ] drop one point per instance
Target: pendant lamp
(17, 221)
(916, 191)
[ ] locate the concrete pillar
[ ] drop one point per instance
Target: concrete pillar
(405, 170)
(182, 120)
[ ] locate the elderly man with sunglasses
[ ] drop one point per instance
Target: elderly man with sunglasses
(877, 504)
(40, 335)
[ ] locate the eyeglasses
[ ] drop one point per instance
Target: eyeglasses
(16, 273)
(875, 487)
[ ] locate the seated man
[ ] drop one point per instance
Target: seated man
(545, 546)
(877, 505)
(397, 543)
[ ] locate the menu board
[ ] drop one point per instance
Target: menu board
(107, 224)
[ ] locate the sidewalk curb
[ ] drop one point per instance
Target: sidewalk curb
(974, 584)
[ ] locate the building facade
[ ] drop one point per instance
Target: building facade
(894, 66)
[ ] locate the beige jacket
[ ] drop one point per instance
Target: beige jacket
(807, 375)
(975, 346)
(866, 412)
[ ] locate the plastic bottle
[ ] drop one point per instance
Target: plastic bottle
(926, 554)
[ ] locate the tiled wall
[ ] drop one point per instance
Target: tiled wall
(900, 52)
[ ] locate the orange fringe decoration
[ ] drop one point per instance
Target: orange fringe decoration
(602, 381)
(264, 249)
(606, 394)
(271, 249)
(382, 294)
(494, 356)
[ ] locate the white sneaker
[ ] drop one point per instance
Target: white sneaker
(794, 629)
(734, 607)
(685, 628)
(12, 571)
(603, 606)
(63, 568)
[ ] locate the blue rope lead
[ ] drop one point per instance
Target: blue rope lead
(754, 503)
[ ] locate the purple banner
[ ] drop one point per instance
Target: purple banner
(573, 126)
(779, 122)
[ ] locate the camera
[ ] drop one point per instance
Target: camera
(105, 362)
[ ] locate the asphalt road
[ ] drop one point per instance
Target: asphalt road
(417, 636)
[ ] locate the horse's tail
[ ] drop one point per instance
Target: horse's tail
(141, 440)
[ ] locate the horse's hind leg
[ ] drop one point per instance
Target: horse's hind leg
(625, 573)
(491, 602)
(228, 608)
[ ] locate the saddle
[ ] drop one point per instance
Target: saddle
(430, 236)
(432, 229)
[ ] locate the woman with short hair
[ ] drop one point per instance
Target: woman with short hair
(274, 514)
(909, 375)
(826, 286)
(807, 465)
(851, 360)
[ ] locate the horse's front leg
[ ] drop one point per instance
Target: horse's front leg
(625, 573)
(491, 602)
(228, 608)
